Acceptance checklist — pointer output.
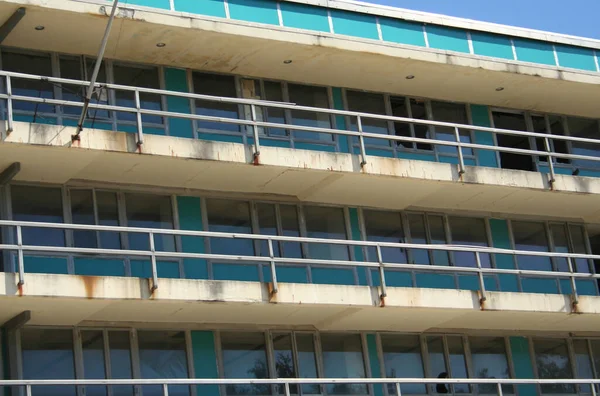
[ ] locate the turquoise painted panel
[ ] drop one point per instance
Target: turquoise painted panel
(286, 274)
(575, 57)
(358, 251)
(534, 51)
(539, 285)
(164, 4)
(273, 143)
(584, 287)
(259, 11)
(99, 267)
(492, 45)
(190, 219)
(38, 120)
(501, 240)
(374, 362)
(236, 272)
(402, 32)
(354, 24)
(133, 129)
(176, 80)
(205, 361)
(481, 117)
(214, 8)
(303, 16)
(519, 348)
(471, 282)
(333, 276)
(315, 147)
(445, 38)
(45, 265)
(164, 269)
(416, 156)
(220, 138)
(589, 173)
(435, 281)
(454, 160)
(393, 278)
(88, 124)
(340, 121)
(559, 170)
(377, 152)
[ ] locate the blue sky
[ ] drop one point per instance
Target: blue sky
(574, 17)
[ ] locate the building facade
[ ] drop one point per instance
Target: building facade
(293, 190)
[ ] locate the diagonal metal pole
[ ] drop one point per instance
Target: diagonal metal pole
(90, 91)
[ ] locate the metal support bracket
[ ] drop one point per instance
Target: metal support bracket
(12, 22)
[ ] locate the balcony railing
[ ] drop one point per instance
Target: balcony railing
(256, 125)
(274, 262)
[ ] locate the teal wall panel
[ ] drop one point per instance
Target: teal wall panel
(164, 269)
(304, 16)
(214, 8)
(99, 267)
(45, 265)
(501, 240)
(575, 57)
(221, 138)
(358, 251)
(416, 156)
(493, 45)
(534, 51)
(471, 282)
(259, 11)
(286, 274)
(315, 147)
(190, 219)
(402, 32)
(176, 80)
(374, 363)
(236, 272)
(354, 24)
(205, 361)
(435, 281)
(481, 117)
(393, 278)
(446, 38)
(519, 347)
(539, 285)
(333, 276)
(163, 4)
(584, 287)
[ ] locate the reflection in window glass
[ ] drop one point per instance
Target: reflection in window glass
(553, 362)
(245, 356)
(437, 232)
(561, 245)
(150, 211)
(469, 231)
(585, 128)
(326, 222)
(42, 204)
(215, 85)
(531, 236)
(458, 363)
(583, 363)
(144, 77)
(343, 358)
(267, 220)
(108, 215)
(488, 355)
(402, 359)
(451, 112)
(48, 354)
(373, 103)
(437, 361)
(284, 359)
(226, 215)
(578, 239)
(120, 361)
(385, 227)
(82, 212)
(163, 355)
(307, 95)
(418, 234)
(307, 361)
(92, 345)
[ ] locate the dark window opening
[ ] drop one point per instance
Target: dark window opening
(513, 122)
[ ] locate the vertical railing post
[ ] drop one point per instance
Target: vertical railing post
(9, 107)
(381, 272)
(361, 141)
(550, 162)
(500, 392)
(480, 275)
(461, 159)
(287, 388)
(138, 106)
(273, 270)
(21, 262)
(398, 389)
(574, 294)
(255, 132)
(165, 390)
(27, 390)
(593, 387)
(153, 263)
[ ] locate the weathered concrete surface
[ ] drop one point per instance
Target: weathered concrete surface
(187, 166)
(76, 300)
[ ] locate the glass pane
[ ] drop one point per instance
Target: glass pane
(400, 109)
(472, 232)
(343, 358)
(137, 77)
(163, 355)
(284, 360)
(557, 127)
(366, 102)
(531, 236)
(307, 95)
(437, 231)
(451, 112)
(290, 227)
(307, 360)
(48, 354)
(583, 362)
(402, 359)
(419, 111)
(267, 224)
(515, 122)
(585, 128)
(561, 245)
(488, 355)
(437, 361)
(82, 212)
(108, 215)
(578, 239)
(274, 93)
(226, 215)
(216, 85)
(385, 227)
(418, 234)
(245, 356)
(120, 360)
(326, 222)
(92, 345)
(41, 204)
(595, 344)
(552, 361)
(150, 211)
(458, 364)
(73, 68)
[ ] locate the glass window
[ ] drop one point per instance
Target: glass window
(307, 361)
(437, 233)
(343, 358)
(150, 211)
(488, 355)
(92, 345)
(469, 231)
(595, 345)
(215, 85)
(108, 215)
(515, 122)
(326, 222)
(226, 215)
(578, 239)
(267, 220)
(561, 245)
(366, 102)
(418, 234)
(531, 236)
(245, 356)
(48, 354)
(284, 359)
(451, 112)
(308, 95)
(385, 227)
(437, 361)
(143, 77)
(418, 110)
(402, 359)
(553, 362)
(82, 212)
(550, 125)
(163, 355)
(267, 90)
(120, 361)
(400, 109)
(585, 128)
(41, 204)
(458, 363)
(583, 363)
(73, 68)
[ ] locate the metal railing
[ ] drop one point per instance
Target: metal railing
(256, 124)
(393, 385)
(274, 261)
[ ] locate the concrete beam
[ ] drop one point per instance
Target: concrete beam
(17, 321)
(12, 22)
(9, 173)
